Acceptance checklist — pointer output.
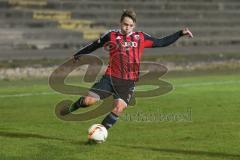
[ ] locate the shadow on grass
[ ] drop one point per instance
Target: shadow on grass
(38, 136)
(26, 135)
(185, 152)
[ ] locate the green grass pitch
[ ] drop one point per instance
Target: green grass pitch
(29, 129)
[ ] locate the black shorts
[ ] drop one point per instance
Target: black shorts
(119, 88)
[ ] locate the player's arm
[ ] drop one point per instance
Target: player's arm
(151, 42)
(92, 46)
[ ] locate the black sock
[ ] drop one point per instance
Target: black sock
(78, 104)
(110, 120)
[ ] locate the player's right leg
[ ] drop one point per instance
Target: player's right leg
(83, 102)
(99, 90)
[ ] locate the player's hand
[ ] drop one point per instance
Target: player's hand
(75, 59)
(187, 32)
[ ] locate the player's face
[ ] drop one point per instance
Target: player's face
(127, 25)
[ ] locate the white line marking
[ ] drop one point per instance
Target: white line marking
(27, 94)
(206, 83)
(179, 85)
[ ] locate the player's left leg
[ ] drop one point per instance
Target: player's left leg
(123, 91)
(119, 106)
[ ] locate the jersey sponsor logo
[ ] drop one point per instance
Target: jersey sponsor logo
(129, 44)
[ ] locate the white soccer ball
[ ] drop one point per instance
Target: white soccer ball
(97, 133)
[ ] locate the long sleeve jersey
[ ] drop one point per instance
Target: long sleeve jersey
(125, 51)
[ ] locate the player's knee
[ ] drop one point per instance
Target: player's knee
(118, 110)
(119, 107)
(88, 100)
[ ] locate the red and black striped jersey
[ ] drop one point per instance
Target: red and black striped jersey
(126, 51)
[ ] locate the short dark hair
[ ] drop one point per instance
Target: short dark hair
(129, 13)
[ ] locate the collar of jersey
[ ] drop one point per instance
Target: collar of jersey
(124, 34)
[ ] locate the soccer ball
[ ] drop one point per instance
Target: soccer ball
(97, 133)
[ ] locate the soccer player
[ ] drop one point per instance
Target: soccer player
(125, 50)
